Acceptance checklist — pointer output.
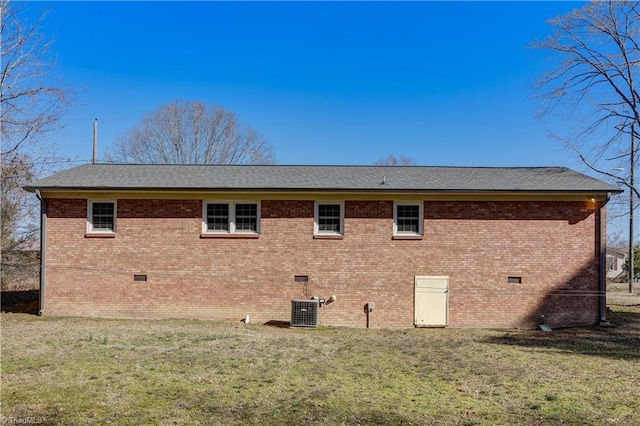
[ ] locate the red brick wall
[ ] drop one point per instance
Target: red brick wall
(552, 246)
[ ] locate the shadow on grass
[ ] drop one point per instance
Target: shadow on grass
(620, 341)
(21, 302)
(278, 324)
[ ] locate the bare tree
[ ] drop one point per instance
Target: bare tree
(32, 104)
(192, 133)
(594, 86)
(392, 160)
(594, 81)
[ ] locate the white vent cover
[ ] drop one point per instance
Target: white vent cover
(304, 313)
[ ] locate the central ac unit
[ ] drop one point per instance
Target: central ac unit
(304, 313)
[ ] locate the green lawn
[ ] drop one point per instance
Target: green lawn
(78, 371)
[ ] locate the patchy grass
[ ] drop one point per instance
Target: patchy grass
(618, 295)
(97, 371)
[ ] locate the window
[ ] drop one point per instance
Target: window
(407, 219)
(231, 217)
(247, 217)
(218, 217)
(329, 218)
(101, 216)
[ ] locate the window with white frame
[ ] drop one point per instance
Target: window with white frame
(329, 218)
(101, 216)
(229, 217)
(407, 218)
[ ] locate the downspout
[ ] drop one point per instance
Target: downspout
(602, 285)
(43, 251)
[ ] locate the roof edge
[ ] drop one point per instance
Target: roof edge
(31, 188)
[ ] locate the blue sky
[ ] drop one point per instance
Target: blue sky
(446, 83)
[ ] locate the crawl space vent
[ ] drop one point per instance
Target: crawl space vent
(304, 313)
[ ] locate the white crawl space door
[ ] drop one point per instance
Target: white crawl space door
(431, 301)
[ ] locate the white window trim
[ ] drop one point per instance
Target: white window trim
(420, 205)
(90, 203)
(232, 216)
(316, 209)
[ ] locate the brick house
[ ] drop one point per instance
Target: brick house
(421, 246)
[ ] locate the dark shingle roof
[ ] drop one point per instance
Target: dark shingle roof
(321, 178)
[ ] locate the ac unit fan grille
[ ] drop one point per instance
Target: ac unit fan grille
(304, 313)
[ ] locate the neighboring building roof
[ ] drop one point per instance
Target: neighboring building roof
(321, 178)
(619, 250)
